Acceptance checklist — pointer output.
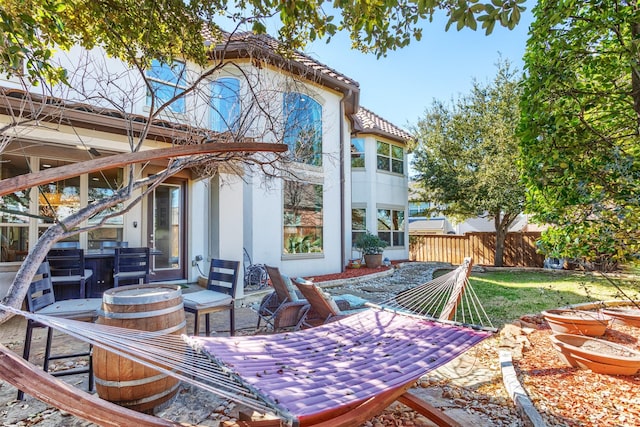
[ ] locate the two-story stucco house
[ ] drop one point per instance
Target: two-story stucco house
(346, 168)
(379, 182)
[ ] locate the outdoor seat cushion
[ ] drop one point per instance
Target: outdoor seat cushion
(59, 279)
(73, 308)
(354, 302)
(206, 299)
(293, 291)
(128, 274)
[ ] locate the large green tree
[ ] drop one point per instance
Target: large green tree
(580, 128)
(165, 29)
(466, 154)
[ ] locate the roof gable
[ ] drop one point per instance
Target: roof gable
(368, 122)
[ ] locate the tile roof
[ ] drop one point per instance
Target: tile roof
(269, 44)
(367, 121)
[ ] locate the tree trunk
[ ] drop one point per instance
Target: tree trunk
(502, 226)
(500, 238)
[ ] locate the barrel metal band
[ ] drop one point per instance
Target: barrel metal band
(140, 314)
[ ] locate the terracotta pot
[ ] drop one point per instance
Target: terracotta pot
(629, 317)
(600, 356)
(373, 261)
(568, 321)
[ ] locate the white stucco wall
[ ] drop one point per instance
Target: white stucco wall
(225, 218)
(373, 190)
(198, 227)
(264, 200)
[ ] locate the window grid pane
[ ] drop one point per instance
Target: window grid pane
(391, 226)
(390, 158)
(303, 131)
(397, 152)
(167, 81)
(357, 153)
(359, 219)
(225, 105)
(302, 219)
(397, 166)
(383, 148)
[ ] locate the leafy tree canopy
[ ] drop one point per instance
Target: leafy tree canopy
(466, 157)
(32, 29)
(580, 128)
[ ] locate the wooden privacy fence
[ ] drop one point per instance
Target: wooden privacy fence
(519, 249)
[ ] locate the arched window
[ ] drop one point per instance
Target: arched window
(303, 132)
(225, 104)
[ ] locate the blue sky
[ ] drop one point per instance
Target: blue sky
(400, 86)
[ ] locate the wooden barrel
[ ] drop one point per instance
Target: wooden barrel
(155, 308)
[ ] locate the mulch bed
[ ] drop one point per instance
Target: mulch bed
(348, 273)
(578, 397)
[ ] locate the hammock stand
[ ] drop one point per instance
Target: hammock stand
(338, 374)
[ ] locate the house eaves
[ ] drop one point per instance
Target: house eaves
(262, 47)
(366, 121)
(16, 102)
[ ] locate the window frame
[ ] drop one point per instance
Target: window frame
(358, 153)
(224, 105)
(296, 121)
(356, 231)
(15, 228)
(176, 83)
(396, 226)
(70, 194)
(294, 223)
(391, 158)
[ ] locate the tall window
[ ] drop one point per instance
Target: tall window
(62, 198)
(302, 218)
(357, 153)
(303, 132)
(391, 226)
(390, 158)
(49, 202)
(57, 199)
(14, 227)
(225, 104)
(104, 184)
(167, 81)
(358, 222)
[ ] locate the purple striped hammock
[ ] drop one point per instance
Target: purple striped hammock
(314, 375)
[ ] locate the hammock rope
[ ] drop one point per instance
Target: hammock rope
(168, 354)
(429, 299)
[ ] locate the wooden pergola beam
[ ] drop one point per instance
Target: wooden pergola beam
(21, 182)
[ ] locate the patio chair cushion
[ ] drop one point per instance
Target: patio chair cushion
(73, 308)
(73, 278)
(332, 303)
(206, 298)
(291, 288)
(353, 300)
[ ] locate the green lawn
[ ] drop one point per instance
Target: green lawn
(507, 295)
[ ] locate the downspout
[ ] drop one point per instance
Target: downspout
(342, 179)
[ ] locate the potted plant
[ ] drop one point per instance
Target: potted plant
(581, 322)
(371, 247)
